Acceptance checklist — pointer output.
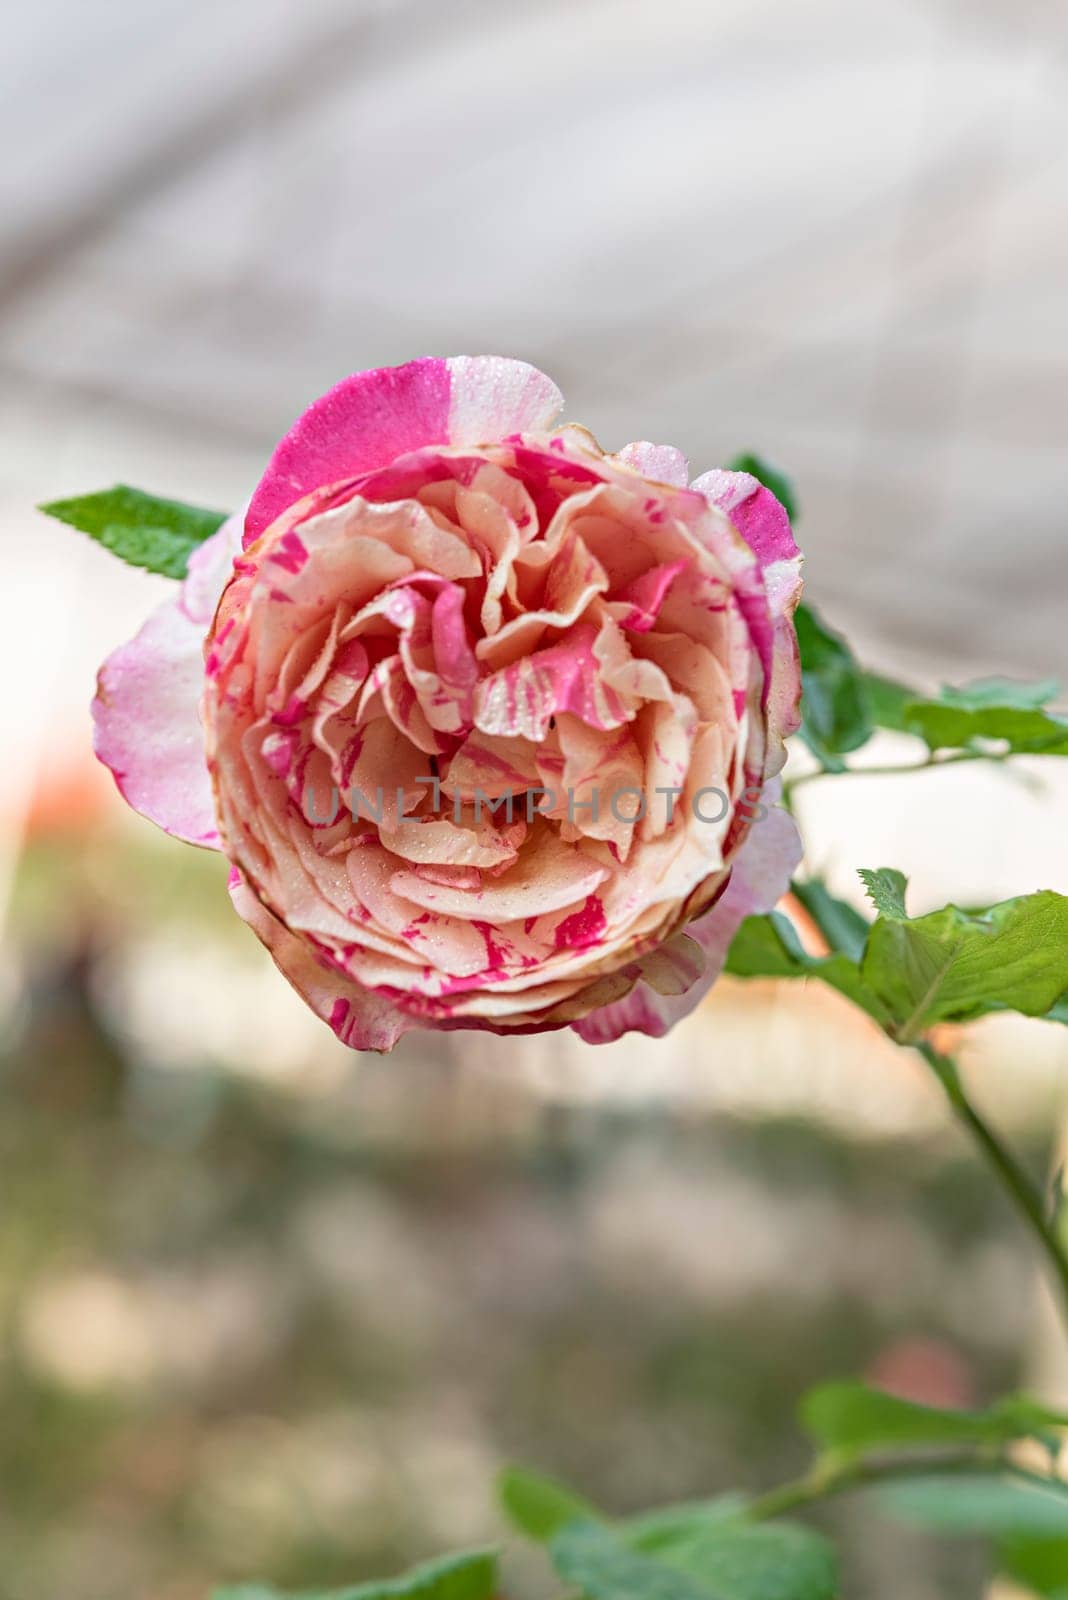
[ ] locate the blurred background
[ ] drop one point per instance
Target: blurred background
(269, 1308)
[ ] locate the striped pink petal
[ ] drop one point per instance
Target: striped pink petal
(661, 462)
(758, 882)
(763, 524)
(146, 713)
(360, 1018)
(369, 419)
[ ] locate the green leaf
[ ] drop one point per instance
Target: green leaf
(984, 694)
(843, 927)
(651, 1531)
(1042, 1564)
(1020, 731)
(1059, 1012)
(851, 1419)
(951, 965)
(768, 947)
(972, 715)
(954, 965)
(756, 1561)
(886, 890)
(834, 708)
(992, 1504)
(468, 1575)
(990, 711)
(159, 535)
(886, 701)
(597, 1561)
(537, 1505)
(727, 1559)
(779, 484)
(700, 1550)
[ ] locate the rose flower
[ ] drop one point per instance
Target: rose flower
(485, 719)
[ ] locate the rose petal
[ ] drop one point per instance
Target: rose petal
(547, 877)
(146, 714)
(640, 600)
(369, 419)
(765, 527)
(761, 875)
(524, 697)
(755, 512)
(491, 397)
(360, 1018)
(661, 462)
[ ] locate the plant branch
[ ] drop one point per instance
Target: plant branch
(827, 1480)
(1018, 1183)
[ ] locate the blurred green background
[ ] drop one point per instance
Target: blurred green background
(288, 1324)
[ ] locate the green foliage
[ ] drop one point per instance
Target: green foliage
(159, 535)
(843, 927)
(469, 1575)
(752, 1561)
(953, 965)
(912, 972)
(887, 701)
(834, 711)
(850, 1419)
(1041, 1564)
(599, 1562)
(842, 705)
(999, 1506)
(702, 1550)
(992, 709)
(718, 1558)
(538, 1506)
(768, 947)
(1059, 1012)
(954, 724)
(778, 482)
(851, 1423)
(886, 888)
(667, 1526)
(988, 712)
(985, 694)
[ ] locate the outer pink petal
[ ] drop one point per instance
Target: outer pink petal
(146, 713)
(208, 572)
(492, 396)
(765, 527)
(759, 517)
(360, 1018)
(370, 418)
(760, 878)
(660, 461)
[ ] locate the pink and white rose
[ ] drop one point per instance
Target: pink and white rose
(442, 609)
